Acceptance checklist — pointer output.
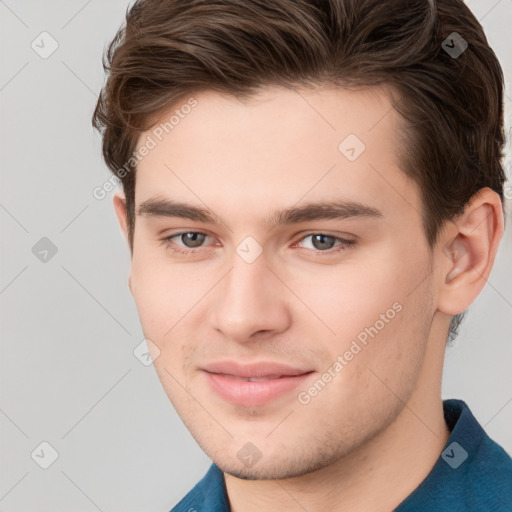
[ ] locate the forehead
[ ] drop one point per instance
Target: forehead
(275, 149)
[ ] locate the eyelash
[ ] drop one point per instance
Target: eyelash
(345, 243)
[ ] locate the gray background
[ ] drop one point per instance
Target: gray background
(69, 325)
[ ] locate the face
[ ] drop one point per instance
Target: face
(328, 307)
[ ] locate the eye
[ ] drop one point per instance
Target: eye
(324, 243)
(194, 238)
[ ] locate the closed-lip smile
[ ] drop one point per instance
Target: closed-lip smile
(254, 384)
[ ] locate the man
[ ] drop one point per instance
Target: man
(312, 196)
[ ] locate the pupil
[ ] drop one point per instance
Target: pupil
(322, 244)
(191, 237)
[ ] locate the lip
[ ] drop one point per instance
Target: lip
(257, 370)
(226, 380)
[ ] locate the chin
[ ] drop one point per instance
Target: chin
(275, 468)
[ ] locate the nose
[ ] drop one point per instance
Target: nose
(251, 302)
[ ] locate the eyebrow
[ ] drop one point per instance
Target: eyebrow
(324, 210)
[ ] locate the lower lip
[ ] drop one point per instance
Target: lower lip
(256, 393)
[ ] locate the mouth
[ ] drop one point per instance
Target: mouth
(253, 379)
(253, 385)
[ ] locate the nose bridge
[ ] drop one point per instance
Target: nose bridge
(248, 300)
(245, 286)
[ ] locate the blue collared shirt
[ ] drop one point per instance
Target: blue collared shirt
(473, 474)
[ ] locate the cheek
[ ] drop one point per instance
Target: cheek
(165, 296)
(380, 318)
(163, 293)
(375, 376)
(350, 297)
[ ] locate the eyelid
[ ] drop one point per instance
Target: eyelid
(167, 240)
(342, 239)
(344, 242)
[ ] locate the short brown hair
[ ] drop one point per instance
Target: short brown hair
(452, 105)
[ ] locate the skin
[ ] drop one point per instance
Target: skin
(373, 433)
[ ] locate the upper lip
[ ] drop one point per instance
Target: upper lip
(260, 369)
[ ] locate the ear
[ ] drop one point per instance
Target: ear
(119, 202)
(467, 249)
